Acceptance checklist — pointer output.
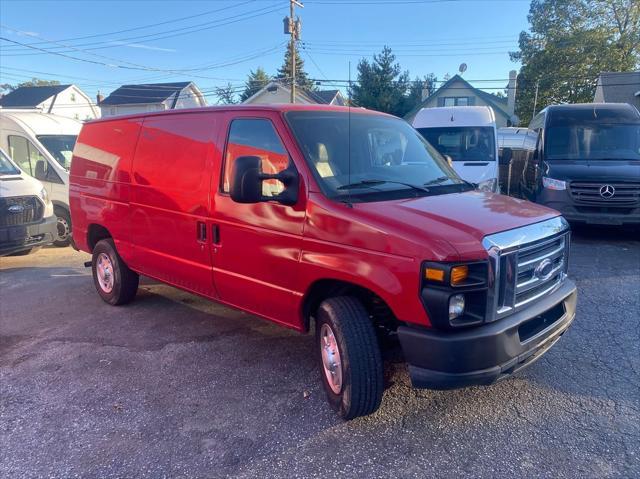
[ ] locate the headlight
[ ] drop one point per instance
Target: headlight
(456, 306)
(44, 196)
(488, 185)
(553, 184)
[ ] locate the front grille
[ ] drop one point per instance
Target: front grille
(527, 263)
(624, 194)
(20, 210)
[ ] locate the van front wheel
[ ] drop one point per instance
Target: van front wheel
(63, 223)
(113, 279)
(350, 360)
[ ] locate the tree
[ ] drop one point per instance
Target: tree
(255, 81)
(32, 82)
(226, 94)
(569, 44)
(381, 85)
(285, 74)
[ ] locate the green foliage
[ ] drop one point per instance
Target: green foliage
(284, 73)
(255, 81)
(382, 85)
(32, 82)
(226, 94)
(569, 44)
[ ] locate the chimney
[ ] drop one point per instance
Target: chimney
(511, 92)
(99, 97)
(425, 93)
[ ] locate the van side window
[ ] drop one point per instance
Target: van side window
(256, 137)
(28, 157)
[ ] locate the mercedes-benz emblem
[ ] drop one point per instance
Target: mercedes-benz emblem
(607, 191)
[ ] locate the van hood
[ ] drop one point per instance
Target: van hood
(460, 219)
(599, 171)
(19, 185)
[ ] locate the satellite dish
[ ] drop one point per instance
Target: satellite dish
(462, 68)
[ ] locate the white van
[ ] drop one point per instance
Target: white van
(26, 212)
(41, 144)
(468, 136)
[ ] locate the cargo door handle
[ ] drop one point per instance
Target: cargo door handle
(202, 231)
(215, 229)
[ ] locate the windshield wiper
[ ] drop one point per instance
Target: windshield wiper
(372, 182)
(436, 181)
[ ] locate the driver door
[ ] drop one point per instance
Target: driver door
(257, 247)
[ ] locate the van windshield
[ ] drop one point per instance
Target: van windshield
(60, 147)
(463, 143)
(6, 167)
(367, 157)
(591, 141)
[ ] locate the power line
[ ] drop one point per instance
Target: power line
(154, 36)
(151, 25)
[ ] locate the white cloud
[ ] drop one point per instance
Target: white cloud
(142, 46)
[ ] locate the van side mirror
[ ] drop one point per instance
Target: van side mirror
(247, 178)
(506, 156)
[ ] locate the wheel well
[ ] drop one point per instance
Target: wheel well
(377, 308)
(95, 234)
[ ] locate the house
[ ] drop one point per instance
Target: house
(149, 97)
(276, 92)
(63, 100)
(458, 92)
(619, 87)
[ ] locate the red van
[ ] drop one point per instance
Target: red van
(347, 221)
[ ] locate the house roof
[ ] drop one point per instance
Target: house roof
(321, 97)
(30, 96)
(497, 102)
(144, 93)
(619, 87)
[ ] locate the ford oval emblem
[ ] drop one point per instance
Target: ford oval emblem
(544, 270)
(16, 209)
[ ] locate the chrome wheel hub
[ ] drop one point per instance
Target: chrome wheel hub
(331, 362)
(63, 228)
(104, 272)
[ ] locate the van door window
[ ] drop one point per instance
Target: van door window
(256, 137)
(28, 157)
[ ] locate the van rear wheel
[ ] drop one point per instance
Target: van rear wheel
(115, 282)
(350, 360)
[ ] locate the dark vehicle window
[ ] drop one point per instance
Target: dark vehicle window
(256, 137)
(369, 157)
(592, 134)
(60, 147)
(6, 167)
(26, 155)
(462, 143)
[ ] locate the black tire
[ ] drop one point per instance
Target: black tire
(63, 218)
(125, 282)
(360, 358)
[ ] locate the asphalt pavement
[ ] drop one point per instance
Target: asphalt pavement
(175, 386)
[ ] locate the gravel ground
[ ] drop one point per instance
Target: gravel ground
(175, 386)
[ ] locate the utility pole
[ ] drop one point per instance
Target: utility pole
(292, 27)
(535, 100)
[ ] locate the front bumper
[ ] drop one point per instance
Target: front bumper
(597, 215)
(14, 239)
(485, 354)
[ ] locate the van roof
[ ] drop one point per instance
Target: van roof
(282, 108)
(42, 123)
(455, 116)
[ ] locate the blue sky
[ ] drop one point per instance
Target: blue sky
(225, 39)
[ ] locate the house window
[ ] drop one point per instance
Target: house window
(112, 111)
(73, 97)
(456, 101)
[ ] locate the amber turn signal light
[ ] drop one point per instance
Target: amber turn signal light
(433, 274)
(459, 274)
